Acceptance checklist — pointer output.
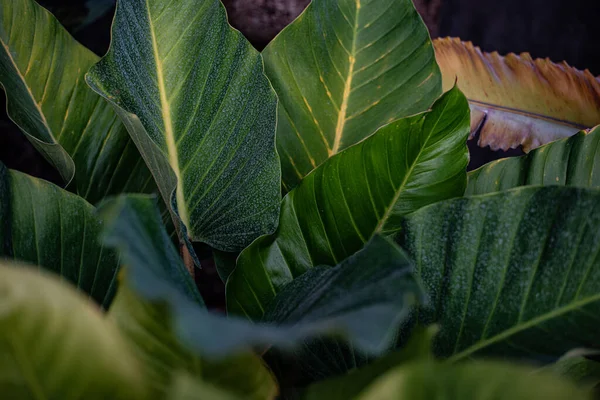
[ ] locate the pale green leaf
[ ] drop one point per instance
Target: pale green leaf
(510, 274)
(42, 70)
(197, 104)
(342, 70)
(57, 230)
(55, 344)
(476, 380)
(360, 192)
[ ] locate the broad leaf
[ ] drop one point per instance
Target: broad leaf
(511, 274)
(573, 161)
(42, 70)
(132, 228)
(475, 380)
(356, 194)
(56, 345)
(198, 106)
(342, 70)
(516, 100)
(50, 227)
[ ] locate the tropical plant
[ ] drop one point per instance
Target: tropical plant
(383, 271)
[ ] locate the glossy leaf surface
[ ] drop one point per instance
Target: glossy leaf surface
(214, 336)
(476, 381)
(55, 344)
(57, 230)
(42, 70)
(342, 70)
(510, 274)
(573, 161)
(198, 106)
(516, 100)
(360, 192)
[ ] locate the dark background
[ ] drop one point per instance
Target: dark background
(559, 29)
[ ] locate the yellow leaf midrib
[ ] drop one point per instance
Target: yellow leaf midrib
(341, 122)
(168, 125)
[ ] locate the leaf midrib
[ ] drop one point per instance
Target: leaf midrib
(523, 326)
(168, 124)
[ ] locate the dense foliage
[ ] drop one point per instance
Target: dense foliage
(384, 271)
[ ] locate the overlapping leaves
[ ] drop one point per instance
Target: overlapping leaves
(343, 69)
(356, 194)
(42, 70)
(198, 106)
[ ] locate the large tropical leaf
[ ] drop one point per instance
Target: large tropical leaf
(475, 380)
(510, 274)
(55, 344)
(57, 230)
(573, 161)
(132, 225)
(579, 367)
(42, 70)
(198, 106)
(516, 100)
(358, 193)
(342, 70)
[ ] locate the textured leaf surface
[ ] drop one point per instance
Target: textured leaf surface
(198, 106)
(360, 192)
(573, 161)
(50, 227)
(214, 336)
(516, 100)
(511, 274)
(56, 345)
(342, 70)
(579, 369)
(42, 70)
(135, 225)
(476, 380)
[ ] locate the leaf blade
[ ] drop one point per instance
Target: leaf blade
(213, 155)
(360, 70)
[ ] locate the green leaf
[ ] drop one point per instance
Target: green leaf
(130, 225)
(185, 387)
(474, 380)
(356, 194)
(197, 104)
(57, 345)
(349, 385)
(342, 70)
(516, 100)
(574, 161)
(510, 274)
(59, 231)
(577, 367)
(42, 70)
(225, 263)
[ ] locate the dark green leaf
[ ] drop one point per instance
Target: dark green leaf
(510, 274)
(130, 224)
(42, 70)
(198, 106)
(342, 70)
(354, 195)
(574, 161)
(50, 227)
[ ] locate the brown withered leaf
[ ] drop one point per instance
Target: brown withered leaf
(516, 100)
